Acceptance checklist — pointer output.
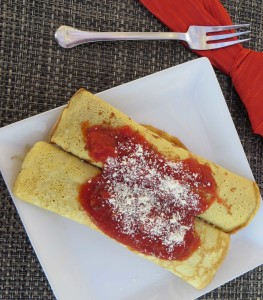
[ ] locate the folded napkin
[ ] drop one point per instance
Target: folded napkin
(243, 65)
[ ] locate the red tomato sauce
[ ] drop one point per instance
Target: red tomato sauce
(140, 198)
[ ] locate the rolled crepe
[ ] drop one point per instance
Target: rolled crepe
(50, 178)
(238, 198)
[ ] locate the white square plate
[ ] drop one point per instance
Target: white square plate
(185, 101)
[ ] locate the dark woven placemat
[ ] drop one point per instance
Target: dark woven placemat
(37, 75)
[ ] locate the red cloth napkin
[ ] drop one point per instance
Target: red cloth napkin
(243, 65)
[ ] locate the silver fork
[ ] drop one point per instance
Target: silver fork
(196, 36)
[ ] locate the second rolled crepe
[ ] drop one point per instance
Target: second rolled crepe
(50, 178)
(238, 198)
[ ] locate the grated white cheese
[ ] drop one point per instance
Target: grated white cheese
(145, 197)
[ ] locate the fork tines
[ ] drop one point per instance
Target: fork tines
(213, 29)
(225, 27)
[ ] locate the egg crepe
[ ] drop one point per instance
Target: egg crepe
(238, 198)
(50, 178)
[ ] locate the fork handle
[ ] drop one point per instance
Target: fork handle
(69, 37)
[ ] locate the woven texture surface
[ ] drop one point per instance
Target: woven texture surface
(38, 75)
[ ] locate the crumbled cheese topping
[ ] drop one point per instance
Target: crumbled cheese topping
(145, 196)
